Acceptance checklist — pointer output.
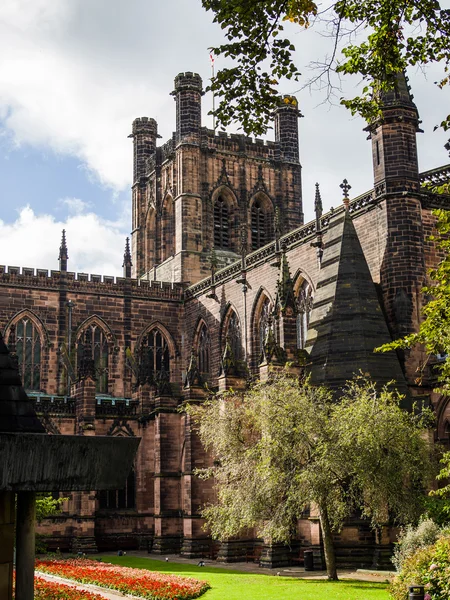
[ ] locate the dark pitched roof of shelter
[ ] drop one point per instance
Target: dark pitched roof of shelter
(17, 413)
(347, 322)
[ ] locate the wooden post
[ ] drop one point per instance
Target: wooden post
(25, 545)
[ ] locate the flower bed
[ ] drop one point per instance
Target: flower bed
(49, 590)
(137, 582)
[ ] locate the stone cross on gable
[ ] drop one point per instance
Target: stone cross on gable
(345, 187)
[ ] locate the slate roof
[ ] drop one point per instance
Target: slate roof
(347, 322)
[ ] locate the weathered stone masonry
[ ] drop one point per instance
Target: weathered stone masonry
(223, 282)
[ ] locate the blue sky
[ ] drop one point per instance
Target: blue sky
(73, 76)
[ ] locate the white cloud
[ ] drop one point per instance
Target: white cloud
(74, 74)
(94, 245)
(75, 206)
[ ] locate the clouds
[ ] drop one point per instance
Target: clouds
(32, 240)
(74, 75)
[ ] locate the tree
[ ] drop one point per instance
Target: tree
(47, 506)
(391, 35)
(282, 446)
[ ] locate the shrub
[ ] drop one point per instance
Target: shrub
(412, 538)
(428, 566)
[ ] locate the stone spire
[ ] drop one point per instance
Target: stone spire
(347, 322)
(127, 264)
(17, 413)
(399, 94)
(63, 254)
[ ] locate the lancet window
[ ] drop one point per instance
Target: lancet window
(93, 339)
(304, 305)
(120, 499)
(221, 224)
(204, 351)
(29, 352)
(261, 224)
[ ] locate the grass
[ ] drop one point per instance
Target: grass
(236, 585)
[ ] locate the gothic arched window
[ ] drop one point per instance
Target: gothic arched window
(304, 305)
(221, 224)
(261, 224)
(203, 351)
(29, 351)
(155, 355)
(120, 499)
(95, 337)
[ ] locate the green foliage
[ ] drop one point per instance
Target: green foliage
(394, 34)
(282, 447)
(428, 566)
(434, 331)
(412, 538)
(47, 506)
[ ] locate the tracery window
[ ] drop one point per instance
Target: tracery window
(29, 351)
(95, 337)
(221, 224)
(304, 305)
(120, 499)
(261, 224)
(232, 334)
(155, 355)
(204, 351)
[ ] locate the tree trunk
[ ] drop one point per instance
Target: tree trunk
(328, 545)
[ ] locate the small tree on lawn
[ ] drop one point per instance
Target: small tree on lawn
(283, 446)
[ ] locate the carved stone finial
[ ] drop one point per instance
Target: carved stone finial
(127, 264)
(285, 299)
(277, 224)
(318, 207)
(63, 253)
(229, 366)
(193, 374)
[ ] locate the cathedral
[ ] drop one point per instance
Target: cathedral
(222, 283)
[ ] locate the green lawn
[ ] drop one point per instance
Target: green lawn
(236, 585)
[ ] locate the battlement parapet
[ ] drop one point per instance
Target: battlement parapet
(89, 283)
(188, 81)
(144, 125)
(297, 237)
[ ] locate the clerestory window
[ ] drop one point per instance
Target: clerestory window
(29, 351)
